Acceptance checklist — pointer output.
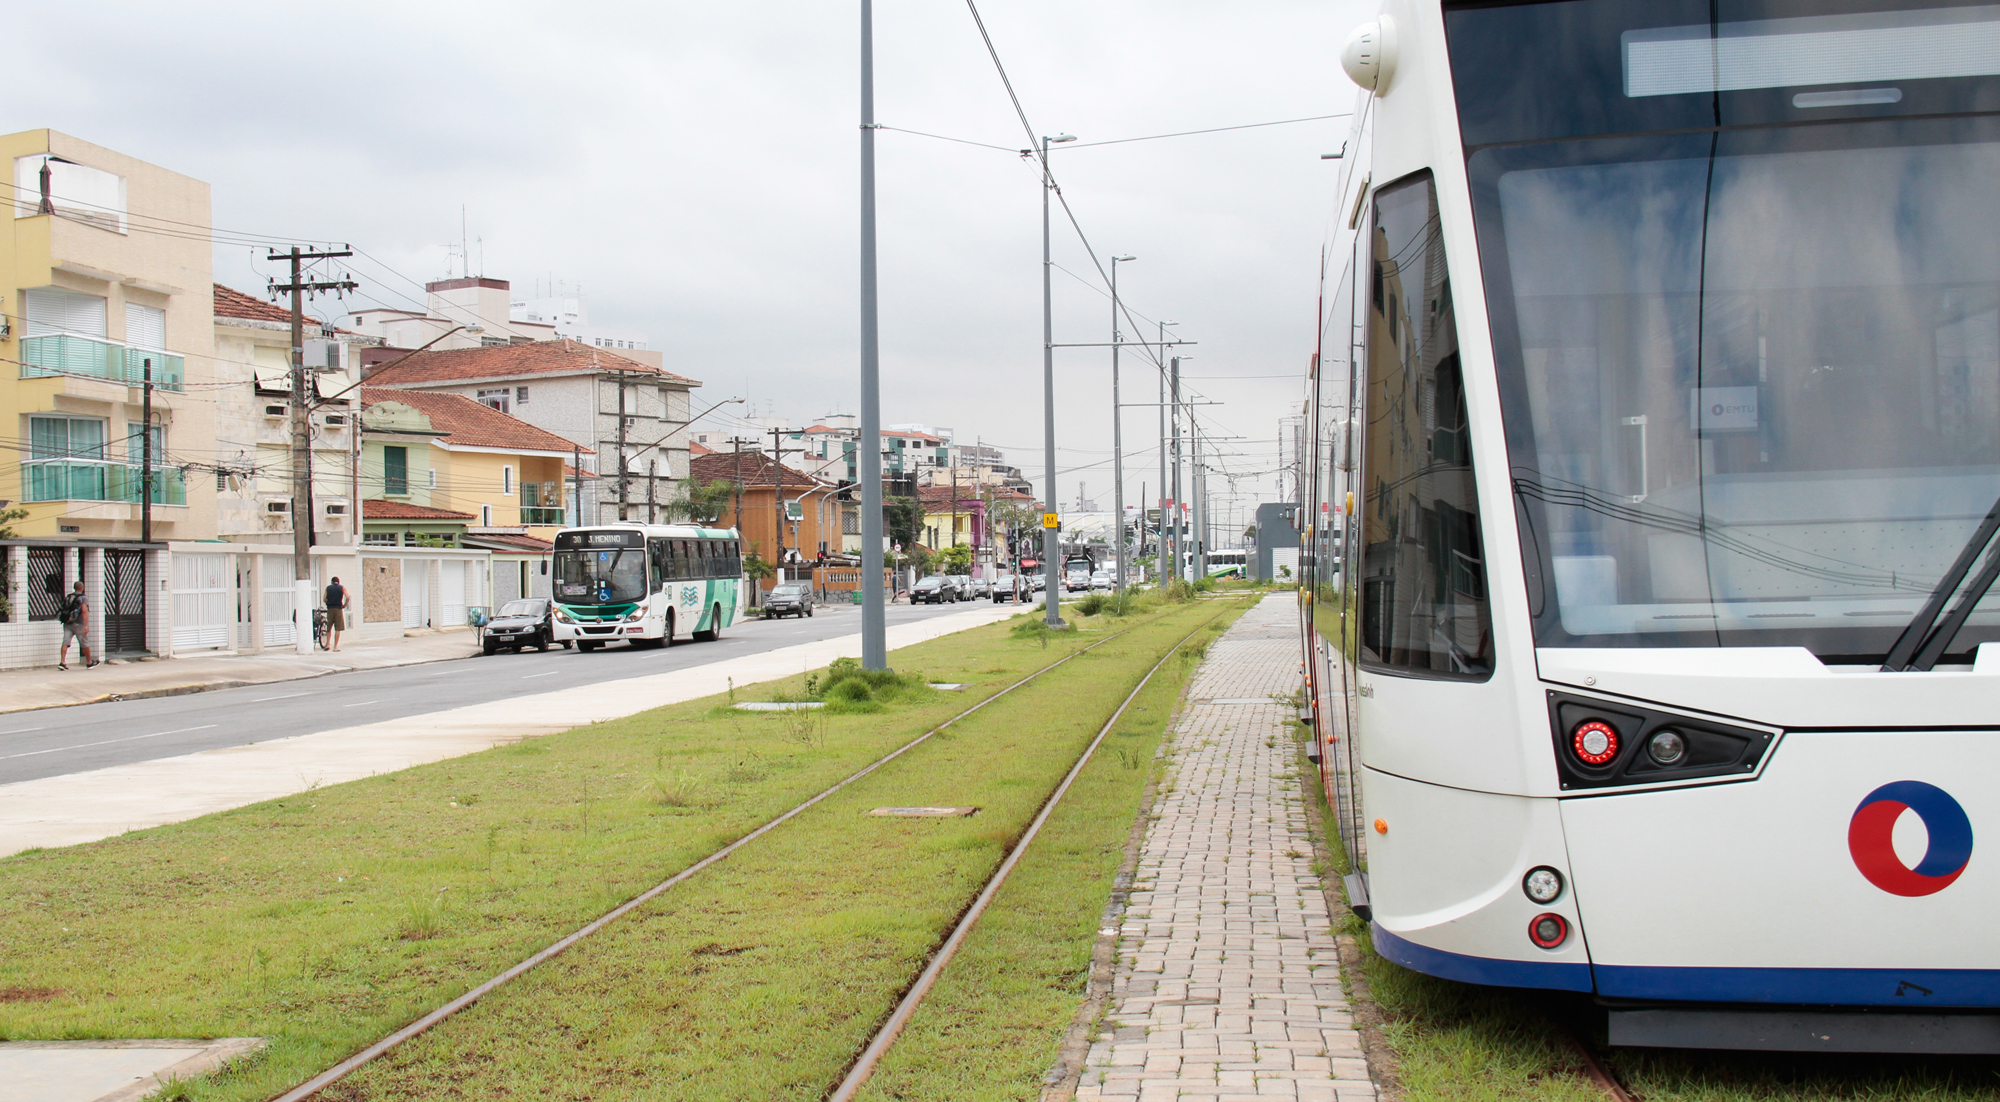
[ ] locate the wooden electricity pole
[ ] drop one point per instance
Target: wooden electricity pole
(298, 288)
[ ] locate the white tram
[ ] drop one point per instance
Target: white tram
(1658, 424)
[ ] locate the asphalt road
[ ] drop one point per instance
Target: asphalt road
(55, 741)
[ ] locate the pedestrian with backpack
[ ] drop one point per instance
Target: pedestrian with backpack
(75, 617)
(336, 613)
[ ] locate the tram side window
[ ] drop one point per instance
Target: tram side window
(1422, 573)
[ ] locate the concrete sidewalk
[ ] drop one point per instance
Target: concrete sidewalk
(48, 687)
(1227, 984)
(84, 807)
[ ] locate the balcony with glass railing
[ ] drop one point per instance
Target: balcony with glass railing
(541, 503)
(69, 354)
(71, 479)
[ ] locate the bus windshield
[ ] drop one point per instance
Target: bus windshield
(601, 577)
(1750, 373)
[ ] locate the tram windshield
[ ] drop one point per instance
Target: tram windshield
(603, 577)
(1746, 313)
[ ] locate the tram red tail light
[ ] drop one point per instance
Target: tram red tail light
(1548, 931)
(1594, 741)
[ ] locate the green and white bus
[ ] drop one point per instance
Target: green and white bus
(646, 584)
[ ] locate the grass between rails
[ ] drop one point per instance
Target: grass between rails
(323, 920)
(991, 1028)
(1458, 1042)
(763, 977)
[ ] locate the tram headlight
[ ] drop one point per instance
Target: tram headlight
(1548, 931)
(1667, 746)
(1594, 741)
(1543, 885)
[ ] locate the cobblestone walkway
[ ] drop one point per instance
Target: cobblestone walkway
(1228, 980)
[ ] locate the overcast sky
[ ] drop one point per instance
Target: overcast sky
(694, 168)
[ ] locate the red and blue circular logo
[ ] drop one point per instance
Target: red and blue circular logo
(1870, 838)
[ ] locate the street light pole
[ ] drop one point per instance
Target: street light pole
(1051, 539)
(1117, 431)
(1160, 559)
(874, 626)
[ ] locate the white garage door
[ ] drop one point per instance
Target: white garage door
(202, 607)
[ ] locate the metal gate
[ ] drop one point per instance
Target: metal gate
(124, 601)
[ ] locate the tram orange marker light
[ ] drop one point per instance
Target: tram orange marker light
(1594, 741)
(1381, 826)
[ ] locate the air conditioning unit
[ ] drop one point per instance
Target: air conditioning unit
(336, 510)
(275, 411)
(277, 506)
(336, 420)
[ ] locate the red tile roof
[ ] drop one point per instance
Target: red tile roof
(696, 447)
(510, 540)
(471, 423)
(941, 495)
(403, 510)
(231, 303)
(444, 366)
(750, 468)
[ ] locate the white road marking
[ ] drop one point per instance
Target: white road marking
(551, 673)
(360, 703)
(287, 696)
(107, 742)
(23, 731)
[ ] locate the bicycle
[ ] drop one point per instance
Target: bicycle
(319, 628)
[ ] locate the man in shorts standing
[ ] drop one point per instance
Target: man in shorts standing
(336, 613)
(75, 617)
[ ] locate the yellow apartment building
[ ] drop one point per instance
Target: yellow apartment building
(104, 275)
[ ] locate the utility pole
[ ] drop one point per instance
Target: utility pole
(778, 495)
(652, 480)
(1174, 421)
(302, 521)
(576, 479)
(1199, 514)
(1117, 433)
(146, 461)
(1051, 538)
(1160, 559)
(623, 482)
(874, 624)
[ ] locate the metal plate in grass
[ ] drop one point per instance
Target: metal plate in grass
(779, 705)
(948, 686)
(923, 812)
(108, 1071)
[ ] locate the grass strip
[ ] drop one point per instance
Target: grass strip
(326, 919)
(993, 1025)
(763, 977)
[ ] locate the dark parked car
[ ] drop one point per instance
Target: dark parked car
(1009, 587)
(934, 590)
(790, 599)
(976, 587)
(522, 623)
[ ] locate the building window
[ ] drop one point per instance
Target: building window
(501, 399)
(395, 471)
(51, 311)
(520, 396)
(379, 539)
(486, 516)
(506, 480)
(432, 483)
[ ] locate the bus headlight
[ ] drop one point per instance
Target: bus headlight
(1542, 884)
(636, 614)
(564, 617)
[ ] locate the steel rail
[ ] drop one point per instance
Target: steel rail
(878, 1046)
(375, 1051)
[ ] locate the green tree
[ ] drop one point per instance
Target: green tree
(700, 502)
(7, 519)
(902, 519)
(955, 560)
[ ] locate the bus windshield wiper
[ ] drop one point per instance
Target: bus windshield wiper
(1921, 644)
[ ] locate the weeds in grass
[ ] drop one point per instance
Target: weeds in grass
(1092, 604)
(423, 916)
(172, 1089)
(677, 789)
(1032, 627)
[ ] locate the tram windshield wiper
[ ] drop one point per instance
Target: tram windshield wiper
(1924, 639)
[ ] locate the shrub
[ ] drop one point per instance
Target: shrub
(1092, 604)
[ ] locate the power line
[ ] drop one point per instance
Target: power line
(1213, 130)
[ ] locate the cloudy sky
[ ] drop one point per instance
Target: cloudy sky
(693, 167)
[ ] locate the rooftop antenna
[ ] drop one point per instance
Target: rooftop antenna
(464, 253)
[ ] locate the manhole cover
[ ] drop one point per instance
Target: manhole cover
(923, 812)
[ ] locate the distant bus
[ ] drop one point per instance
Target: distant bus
(1230, 563)
(646, 583)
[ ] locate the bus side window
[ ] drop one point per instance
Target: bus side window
(704, 564)
(656, 560)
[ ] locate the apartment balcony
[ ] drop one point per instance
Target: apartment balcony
(68, 354)
(98, 480)
(541, 515)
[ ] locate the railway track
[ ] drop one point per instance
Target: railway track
(382, 1047)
